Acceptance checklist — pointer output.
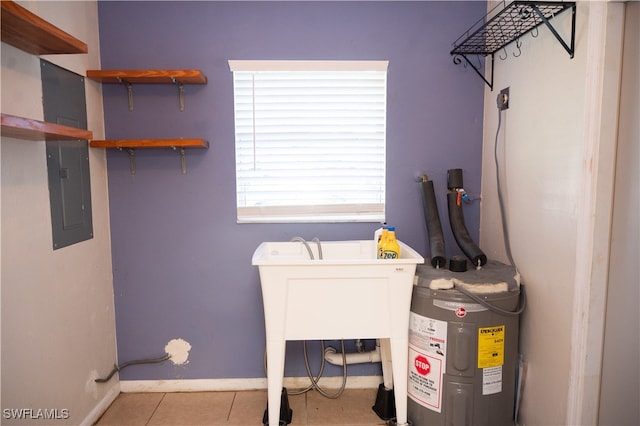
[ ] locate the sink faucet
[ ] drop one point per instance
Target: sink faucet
(317, 241)
(306, 244)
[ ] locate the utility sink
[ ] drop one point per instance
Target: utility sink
(348, 294)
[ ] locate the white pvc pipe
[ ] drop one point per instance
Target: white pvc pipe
(335, 358)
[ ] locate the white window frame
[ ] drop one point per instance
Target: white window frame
(368, 205)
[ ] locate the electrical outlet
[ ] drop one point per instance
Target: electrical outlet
(503, 99)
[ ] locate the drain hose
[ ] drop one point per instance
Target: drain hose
(460, 232)
(434, 227)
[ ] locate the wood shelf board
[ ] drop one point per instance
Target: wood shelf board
(150, 143)
(27, 31)
(26, 128)
(192, 76)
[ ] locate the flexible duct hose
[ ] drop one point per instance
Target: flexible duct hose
(434, 227)
(460, 232)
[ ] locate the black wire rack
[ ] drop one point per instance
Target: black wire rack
(505, 24)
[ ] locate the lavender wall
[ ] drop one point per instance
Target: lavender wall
(181, 264)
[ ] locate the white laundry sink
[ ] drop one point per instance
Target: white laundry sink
(347, 294)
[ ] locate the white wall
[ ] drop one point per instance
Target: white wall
(539, 151)
(58, 326)
(555, 154)
(620, 390)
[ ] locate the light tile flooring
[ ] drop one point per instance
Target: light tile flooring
(244, 408)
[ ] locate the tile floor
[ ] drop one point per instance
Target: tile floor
(244, 408)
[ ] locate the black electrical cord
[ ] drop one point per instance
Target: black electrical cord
(117, 367)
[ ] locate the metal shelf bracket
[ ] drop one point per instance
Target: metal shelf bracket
(457, 60)
(505, 24)
(570, 49)
(180, 92)
(183, 160)
(129, 87)
(132, 159)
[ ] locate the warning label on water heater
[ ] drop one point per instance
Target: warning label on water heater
(427, 358)
(491, 380)
(491, 358)
(490, 346)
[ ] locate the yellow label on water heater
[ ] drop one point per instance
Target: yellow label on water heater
(491, 346)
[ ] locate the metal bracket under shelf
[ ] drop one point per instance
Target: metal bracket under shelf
(132, 159)
(180, 92)
(183, 160)
(489, 35)
(129, 87)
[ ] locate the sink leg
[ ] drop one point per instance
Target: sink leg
(399, 355)
(387, 364)
(275, 373)
(286, 413)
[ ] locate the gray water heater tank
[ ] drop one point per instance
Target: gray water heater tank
(463, 356)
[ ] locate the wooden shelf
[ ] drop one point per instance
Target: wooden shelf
(25, 128)
(129, 77)
(149, 143)
(148, 76)
(32, 34)
(132, 144)
(27, 31)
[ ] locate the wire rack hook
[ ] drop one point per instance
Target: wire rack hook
(534, 32)
(518, 45)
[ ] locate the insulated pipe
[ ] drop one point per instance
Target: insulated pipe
(454, 179)
(333, 357)
(434, 227)
(460, 232)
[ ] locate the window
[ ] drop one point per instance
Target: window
(310, 140)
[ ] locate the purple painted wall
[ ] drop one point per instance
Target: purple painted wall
(181, 264)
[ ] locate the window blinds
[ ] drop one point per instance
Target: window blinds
(310, 140)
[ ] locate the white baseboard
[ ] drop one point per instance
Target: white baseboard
(205, 385)
(102, 405)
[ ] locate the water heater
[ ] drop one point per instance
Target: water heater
(463, 346)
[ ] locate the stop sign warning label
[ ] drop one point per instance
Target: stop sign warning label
(422, 365)
(427, 349)
(425, 380)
